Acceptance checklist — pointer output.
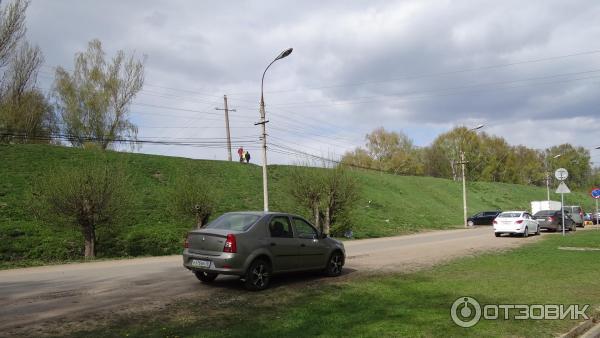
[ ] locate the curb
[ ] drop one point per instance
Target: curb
(590, 326)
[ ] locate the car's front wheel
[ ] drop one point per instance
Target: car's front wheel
(334, 264)
(537, 231)
(258, 275)
(205, 277)
(470, 223)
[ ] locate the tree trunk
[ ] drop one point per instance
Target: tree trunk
(316, 211)
(198, 220)
(90, 242)
(327, 223)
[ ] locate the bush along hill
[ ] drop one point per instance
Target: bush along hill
(33, 233)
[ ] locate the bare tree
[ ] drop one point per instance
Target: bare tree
(12, 28)
(94, 100)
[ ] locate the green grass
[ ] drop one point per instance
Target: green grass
(388, 205)
(416, 304)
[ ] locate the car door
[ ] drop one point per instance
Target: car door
(312, 248)
(532, 223)
(283, 245)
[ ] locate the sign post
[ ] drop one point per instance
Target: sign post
(561, 174)
(596, 195)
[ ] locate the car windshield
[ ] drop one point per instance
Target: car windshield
(545, 213)
(509, 215)
(239, 222)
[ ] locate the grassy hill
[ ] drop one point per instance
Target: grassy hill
(389, 205)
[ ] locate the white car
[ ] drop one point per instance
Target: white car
(516, 222)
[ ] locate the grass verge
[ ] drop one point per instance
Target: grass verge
(415, 304)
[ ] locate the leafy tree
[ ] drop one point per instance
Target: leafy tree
(306, 186)
(89, 197)
(25, 114)
(575, 159)
(192, 199)
(94, 99)
(443, 156)
(340, 193)
(390, 151)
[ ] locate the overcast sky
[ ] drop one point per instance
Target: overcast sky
(528, 70)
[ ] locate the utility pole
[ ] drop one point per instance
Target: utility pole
(227, 126)
(464, 187)
(262, 123)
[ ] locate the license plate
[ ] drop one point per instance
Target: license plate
(200, 263)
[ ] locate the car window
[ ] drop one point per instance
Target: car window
(510, 215)
(545, 213)
(492, 213)
(279, 226)
(304, 230)
(239, 222)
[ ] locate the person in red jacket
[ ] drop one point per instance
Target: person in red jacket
(241, 154)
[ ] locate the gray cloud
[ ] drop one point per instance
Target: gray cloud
(355, 66)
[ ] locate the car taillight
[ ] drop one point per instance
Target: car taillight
(550, 219)
(186, 244)
(519, 221)
(230, 244)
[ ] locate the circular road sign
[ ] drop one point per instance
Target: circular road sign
(595, 193)
(561, 174)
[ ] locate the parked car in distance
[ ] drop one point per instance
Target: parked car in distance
(256, 245)
(516, 222)
(552, 220)
(576, 213)
(483, 218)
(587, 216)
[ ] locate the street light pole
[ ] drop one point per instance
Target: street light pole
(464, 181)
(262, 122)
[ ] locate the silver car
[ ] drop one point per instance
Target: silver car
(256, 245)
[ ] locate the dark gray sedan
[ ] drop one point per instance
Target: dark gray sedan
(256, 245)
(552, 220)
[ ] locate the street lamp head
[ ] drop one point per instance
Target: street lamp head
(284, 54)
(598, 147)
(478, 127)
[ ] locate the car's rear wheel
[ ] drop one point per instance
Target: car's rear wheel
(526, 232)
(258, 275)
(537, 231)
(470, 223)
(334, 264)
(205, 277)
(497, 234)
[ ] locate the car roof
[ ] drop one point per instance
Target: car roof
(262, 213)
(521, 211)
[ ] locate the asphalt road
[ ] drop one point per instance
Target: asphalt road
(35, 299)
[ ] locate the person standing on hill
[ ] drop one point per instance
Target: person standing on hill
(241, 154)
(247, 157)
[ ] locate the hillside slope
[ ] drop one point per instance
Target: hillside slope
(389, 205)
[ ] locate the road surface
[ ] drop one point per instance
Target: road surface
(33, 301)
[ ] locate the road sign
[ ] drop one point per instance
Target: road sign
(595, 193)
(563, 189)
(561, 174)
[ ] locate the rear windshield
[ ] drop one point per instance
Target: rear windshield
(545, 213)
(510, 214)
(238, 222)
